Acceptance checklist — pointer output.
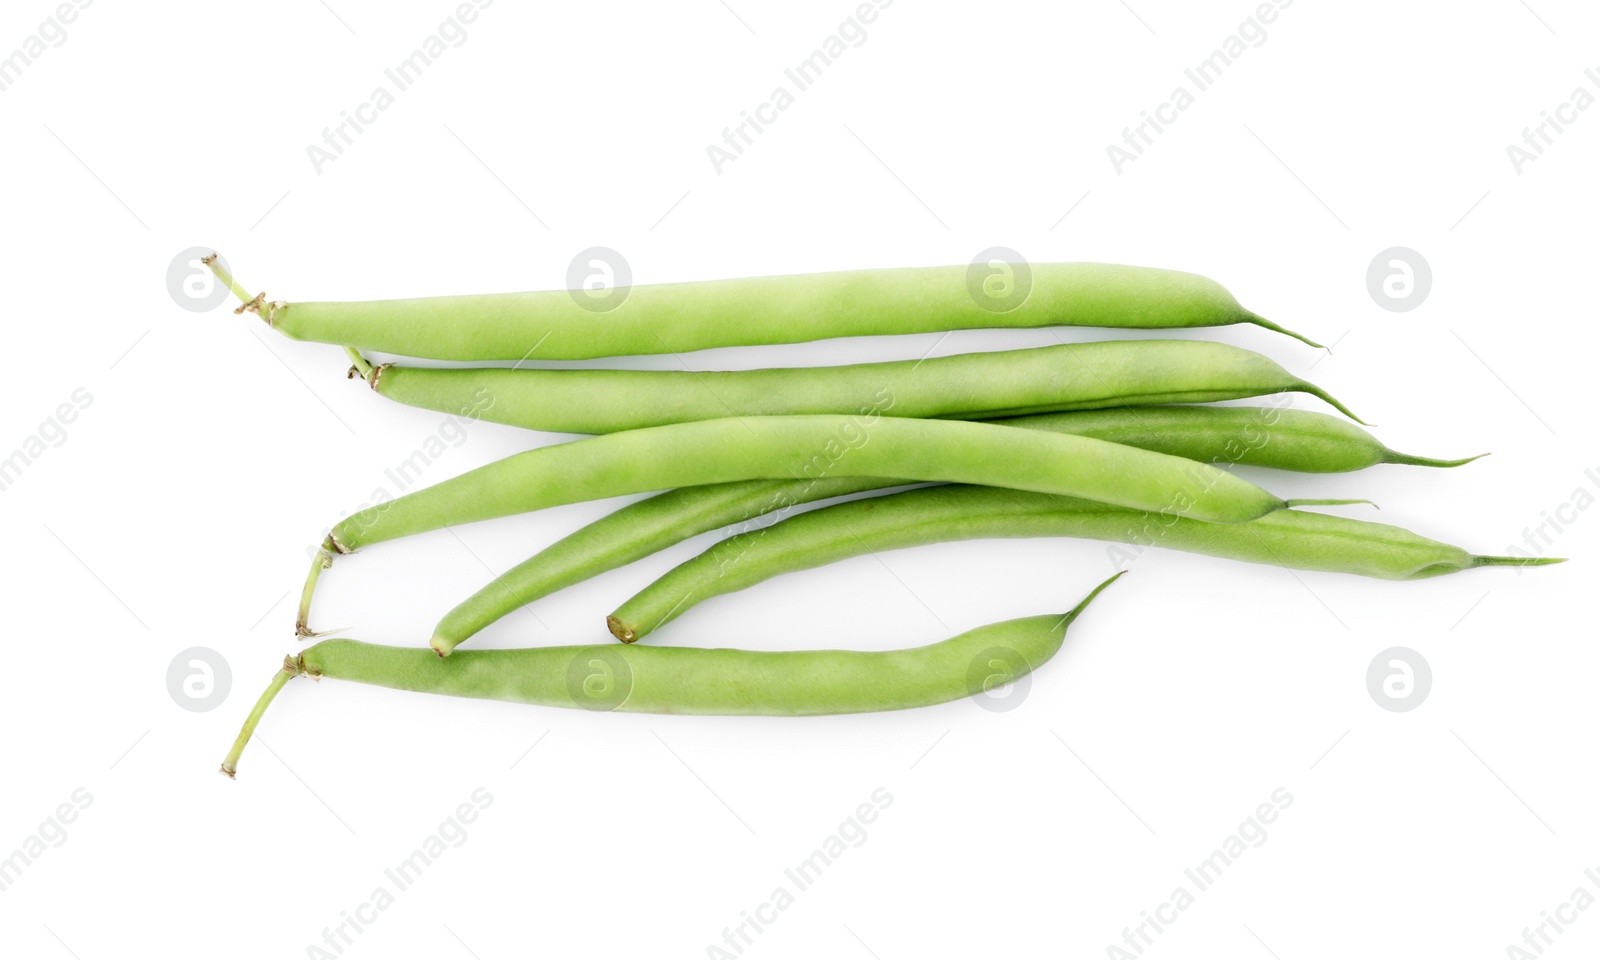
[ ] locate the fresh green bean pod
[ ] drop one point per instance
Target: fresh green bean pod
(1287, 538)
(749, 448)
(970, 386)
(682, 317)
(692, 680)
(1254, 436)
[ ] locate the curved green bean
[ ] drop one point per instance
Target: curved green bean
(691, 680)
(681, 317)
(749, 448)
(970, 386)
(1287, 538)
(1254, 436)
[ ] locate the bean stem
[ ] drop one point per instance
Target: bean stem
(322, 561)
(289, 670)
(358, 364)
(254, 305)
(215, 263)
(324, 556)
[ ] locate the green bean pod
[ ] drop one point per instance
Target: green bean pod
(970, 386)
(1254, 436)
(749, 448)
(692, 680)
(682, 317)
(1287, 538)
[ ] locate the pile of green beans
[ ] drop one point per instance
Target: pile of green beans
(1254, 436)
(1109, 441)
(810, 447)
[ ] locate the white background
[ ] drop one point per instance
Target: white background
(179, 509)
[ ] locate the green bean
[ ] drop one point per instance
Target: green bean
(749, 448)
(690, 680)
(681, 317)
(971, 386)
(1255, 436)
(1287, 538)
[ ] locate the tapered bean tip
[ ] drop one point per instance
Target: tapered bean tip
(1263, 322)
(1083, 604)
(1332, 401)
(1407, 459)
(621, 630)
(1516, 561)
